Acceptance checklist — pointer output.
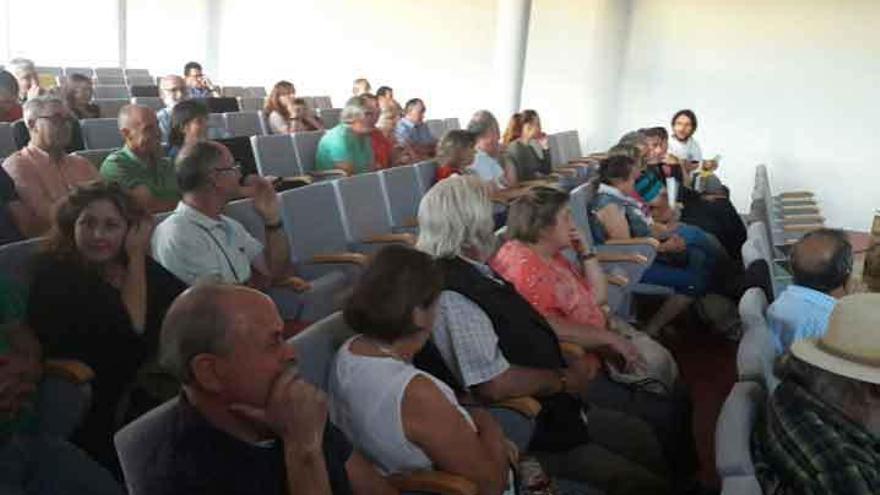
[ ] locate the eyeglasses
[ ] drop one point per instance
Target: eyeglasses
(236, 167)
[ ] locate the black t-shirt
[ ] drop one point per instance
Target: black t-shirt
(201, 459)
(8, 231)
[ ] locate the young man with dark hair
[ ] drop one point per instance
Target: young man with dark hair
(197, 84)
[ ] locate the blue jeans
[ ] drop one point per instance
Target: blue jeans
(690, 280)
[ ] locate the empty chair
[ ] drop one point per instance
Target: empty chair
(733, 455)
(255, 92)
(86, 71)
(139, 81)
(330, 116)
(117, 92)
(305, 144)
(110, 107)
(436, 126)
(233, 91)
(275, 155)
(149, 90)
(245, 123)
(110, 81)
(251, 103)
(364, 213)
(153, 102)
(558, 152)
(137, 73)
(109, 72)
(96, 157)
(402, 196)
(452, 123)
(7, 140)
(101, 133)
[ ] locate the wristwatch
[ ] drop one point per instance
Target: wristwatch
(586, 255)
(274, 226)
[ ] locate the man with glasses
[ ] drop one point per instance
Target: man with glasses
(198, 242)
(347, 146)
(172, 89)
(141, 165)
(198, 85)
(43, 172)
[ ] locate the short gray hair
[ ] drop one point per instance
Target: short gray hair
(33, 106)
(482, 122)
(195, 324)
(19, 65)
(456, 215)
(355, 109)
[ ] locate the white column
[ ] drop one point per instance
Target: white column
(511, 40)
(122, 29)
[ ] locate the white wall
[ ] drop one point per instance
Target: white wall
(791, 83)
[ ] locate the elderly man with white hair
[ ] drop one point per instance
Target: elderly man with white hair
(347, 146)
(28, 80)
(43, 172)
(172, 89)
(141, 166)
(821, 429)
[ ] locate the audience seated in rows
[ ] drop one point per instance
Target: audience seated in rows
(42, 171)
(141, 166)
(286, 113)
(455, 153)
(28, 80)
(527, 147)
(360, 86)
(488, 160)
(197, 84)
(820, 430)
(347, 146)
(404, 419)
(10, 107)
(198, 242)
(821, 264)
(244, 421)
(413, 133)
(31, 460)
(98, 297)
(494, 345)
(77, 93)
(172, 89)
(189, 125)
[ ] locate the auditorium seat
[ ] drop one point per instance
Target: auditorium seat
(109, 72)
(320, 102)
(244, 124)
(110, 107)
(110, 81)
(426, 174)
(255, 92)
(153, 102)
(275, 155)
(741, 485)
(402, 196)
(452, 123)
(96, 157)
(233, 91)
(365, 217)
(139, 81)
(251, 103)
(138, 73)
(330, 116)
(733, 454)
(53, 71)
(437, 127)
(86, 71)
(115, 91)
(7, 140)
(305, 145)
(216, 126)
(150, 90)
(101, 133)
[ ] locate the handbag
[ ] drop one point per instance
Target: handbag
(659, 373)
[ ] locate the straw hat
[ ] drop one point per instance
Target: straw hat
(851, 345)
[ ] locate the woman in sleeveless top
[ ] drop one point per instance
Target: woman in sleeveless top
(402, 418)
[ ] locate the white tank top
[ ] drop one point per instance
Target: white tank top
(366, 396)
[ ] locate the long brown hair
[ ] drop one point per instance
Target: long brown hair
(516, 123)
(273, 103)
(61, 242)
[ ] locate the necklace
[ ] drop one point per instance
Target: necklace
(388, 351)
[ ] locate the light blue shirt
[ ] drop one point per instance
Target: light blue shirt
(192, 246)
(798, 313)
(410, 133)
(487, 168)
(164, 118)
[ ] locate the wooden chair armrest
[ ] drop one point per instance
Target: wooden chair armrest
(618, 280)
(433, 482)
(802, 227)
(635, 240)
(571, 349)
(796, 194)
(608, 257)
(353, 258)
(526, 406)
(797, 201)
(328, 173)
(71, 370)
(799, 210)
(402, 238)
(293, 283)
(800, 219)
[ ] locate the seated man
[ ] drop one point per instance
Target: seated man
(821, 264)
(383, 147)
(172, 89)
(245, 422)
(385, 95)
(412, 132)
(360, 87)
(141, 166)
(820, 431)
(487, 162)
(10, 107)
(42, 171)
(197, 241)
(28, 80)
(347, 146)
(198, 86)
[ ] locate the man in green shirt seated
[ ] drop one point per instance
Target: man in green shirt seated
(347, 146)
(141, 166)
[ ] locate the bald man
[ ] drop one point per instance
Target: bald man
(821, 264)
(140, 166)
(172, 89)
(245, 421)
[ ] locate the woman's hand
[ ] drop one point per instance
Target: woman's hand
(674, 244)
(543, 140)
(137, 240)
(578, 241)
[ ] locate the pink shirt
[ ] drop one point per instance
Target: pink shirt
(554, 287)
(40, 182)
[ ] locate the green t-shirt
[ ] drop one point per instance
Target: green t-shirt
(340, 144)
(124, 167)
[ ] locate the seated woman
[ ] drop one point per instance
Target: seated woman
(401, 418)
(387, 123)
(189, 125)
(527, 146)
(77, 94)
(455, 153)
(287, 113)
(615, 214)
(99, 298)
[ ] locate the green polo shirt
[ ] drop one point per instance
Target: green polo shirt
(340, 144)
(124, 167)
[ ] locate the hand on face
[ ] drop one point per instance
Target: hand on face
(265, 198)
(137, 240)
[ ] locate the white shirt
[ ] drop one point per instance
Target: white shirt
(487, 168)
(688, 151)
(192, 245)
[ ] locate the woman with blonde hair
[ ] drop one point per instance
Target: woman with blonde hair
(286, 113)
